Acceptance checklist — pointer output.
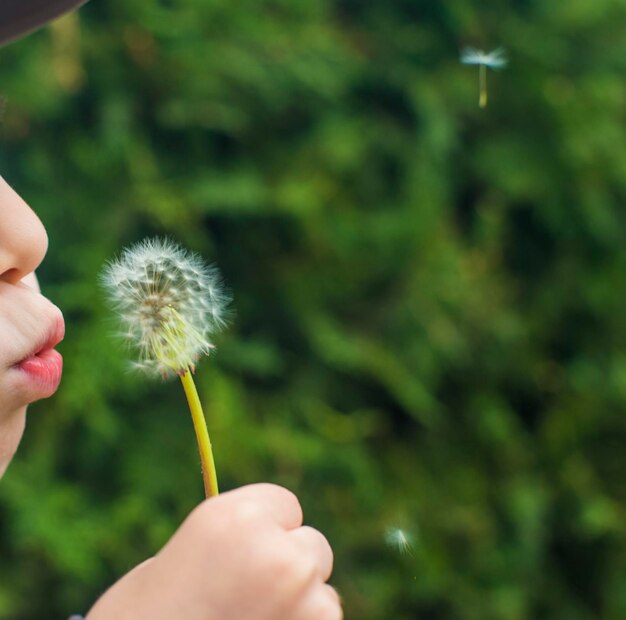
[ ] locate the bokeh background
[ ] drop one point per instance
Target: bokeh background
(430, 310)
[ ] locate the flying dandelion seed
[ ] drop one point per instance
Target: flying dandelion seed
(170, 303)
(399, 539)
(495, 60)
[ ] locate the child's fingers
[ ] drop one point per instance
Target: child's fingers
(323, 603)
(314, 544)
(335, 600)
(280, 504)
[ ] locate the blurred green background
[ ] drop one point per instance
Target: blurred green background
(430, 327)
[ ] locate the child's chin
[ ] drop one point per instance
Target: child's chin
(11, 431)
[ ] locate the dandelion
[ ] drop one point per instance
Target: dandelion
(170, 304)
(495, 59)
(399, 539)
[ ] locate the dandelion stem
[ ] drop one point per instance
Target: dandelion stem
(209, 474)
(482, 81)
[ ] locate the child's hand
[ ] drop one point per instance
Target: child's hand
(243, 555)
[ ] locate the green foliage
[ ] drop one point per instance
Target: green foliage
(430, 328)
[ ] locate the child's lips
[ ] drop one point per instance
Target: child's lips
(45, 370)
(44, 366)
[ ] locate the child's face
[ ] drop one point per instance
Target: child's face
(29, 324)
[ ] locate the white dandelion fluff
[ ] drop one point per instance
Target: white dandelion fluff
(495, 59)
(170, 304)
(399, 539)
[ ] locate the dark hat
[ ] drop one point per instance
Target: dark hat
(19, 17)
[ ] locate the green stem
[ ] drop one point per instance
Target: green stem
(209, 475)
(482, 80)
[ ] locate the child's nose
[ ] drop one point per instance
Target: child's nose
(23, 239)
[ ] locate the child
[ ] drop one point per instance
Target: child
(244, 555)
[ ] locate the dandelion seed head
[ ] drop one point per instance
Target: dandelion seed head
(170, 303)
(399, 539)
(495, 59)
